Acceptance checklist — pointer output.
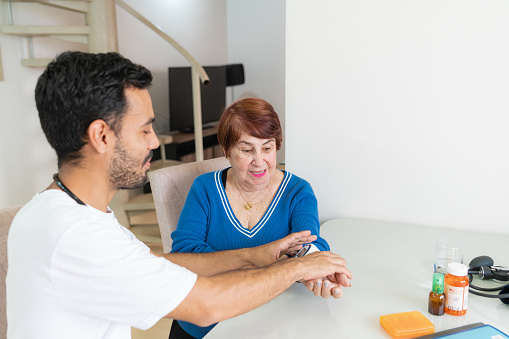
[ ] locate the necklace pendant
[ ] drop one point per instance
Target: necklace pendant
(248, 206)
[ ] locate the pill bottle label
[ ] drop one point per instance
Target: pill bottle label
(456, 297)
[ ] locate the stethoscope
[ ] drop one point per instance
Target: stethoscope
(66, 190)
(485, 268)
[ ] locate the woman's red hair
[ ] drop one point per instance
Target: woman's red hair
(253, 116)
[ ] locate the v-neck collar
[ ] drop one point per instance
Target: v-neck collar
(266, 216)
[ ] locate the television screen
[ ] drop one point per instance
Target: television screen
(213, 97)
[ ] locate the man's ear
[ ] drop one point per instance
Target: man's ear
(100, 135)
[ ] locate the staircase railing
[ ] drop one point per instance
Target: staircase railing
(197, 74)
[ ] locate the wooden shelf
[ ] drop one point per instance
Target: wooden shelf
(180, 138)
(179, 145)
(158, 164)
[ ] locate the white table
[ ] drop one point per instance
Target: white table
(392, 266)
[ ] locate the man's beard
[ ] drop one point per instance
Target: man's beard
(125, 170)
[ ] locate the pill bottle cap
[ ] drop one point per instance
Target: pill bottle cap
(438, 283)
(457, 269)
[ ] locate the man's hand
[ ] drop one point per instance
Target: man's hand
(269, 253)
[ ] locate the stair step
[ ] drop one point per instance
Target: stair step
(44, 30)
(147, 231)
(35, 62)
(76, 6)
(147, 217)
(43, 1)
(140, 202)
(149, 240)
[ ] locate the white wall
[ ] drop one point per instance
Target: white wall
(256, 38)
(398, 110)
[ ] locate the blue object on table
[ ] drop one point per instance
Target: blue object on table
(474, 331)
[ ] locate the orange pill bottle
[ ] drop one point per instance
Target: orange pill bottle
(456, 289)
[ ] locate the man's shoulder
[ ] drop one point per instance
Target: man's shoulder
(53, 222)
(52, 203)
(52, 212)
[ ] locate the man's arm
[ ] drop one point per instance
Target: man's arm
(226, 295)
(206, 264)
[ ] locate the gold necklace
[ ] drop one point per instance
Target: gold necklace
(248, 205)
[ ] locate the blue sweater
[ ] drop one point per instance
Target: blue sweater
(207, 222)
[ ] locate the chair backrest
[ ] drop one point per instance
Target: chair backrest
(170, 186)
(6, 216)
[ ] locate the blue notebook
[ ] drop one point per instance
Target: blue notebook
(474, 331)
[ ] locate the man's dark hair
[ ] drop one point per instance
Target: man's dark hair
(78, 88)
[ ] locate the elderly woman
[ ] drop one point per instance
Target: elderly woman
(250, 203)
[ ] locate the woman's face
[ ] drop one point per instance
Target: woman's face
(254, 161)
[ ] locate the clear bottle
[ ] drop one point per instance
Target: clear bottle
(456, 289)
(436, 303)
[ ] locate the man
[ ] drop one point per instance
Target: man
(74, 272)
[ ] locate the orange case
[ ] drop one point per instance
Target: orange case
(406, 324)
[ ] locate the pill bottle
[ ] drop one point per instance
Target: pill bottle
(436, 301)
(456, 289)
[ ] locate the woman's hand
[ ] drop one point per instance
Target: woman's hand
(328, 286)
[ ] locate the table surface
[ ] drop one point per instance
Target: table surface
(392, 266)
